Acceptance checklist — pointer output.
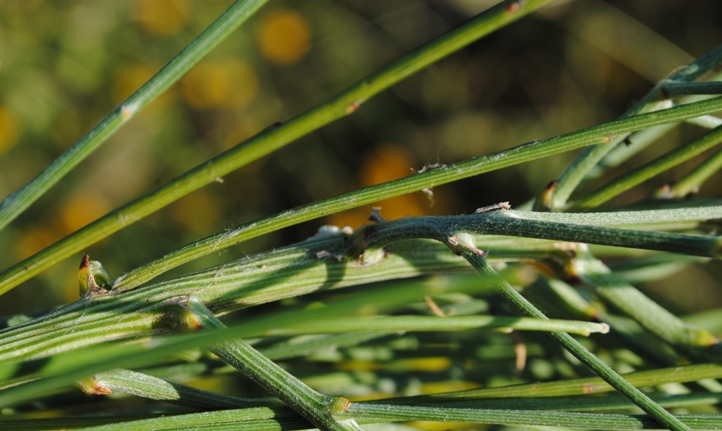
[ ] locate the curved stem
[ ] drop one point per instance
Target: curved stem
(520, 154)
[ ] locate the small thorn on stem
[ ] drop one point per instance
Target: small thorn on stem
(376, 215)
(513, 7)
(457, 246)
(434, 307)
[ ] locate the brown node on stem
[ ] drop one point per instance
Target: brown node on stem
(92, 386)
(513, 7)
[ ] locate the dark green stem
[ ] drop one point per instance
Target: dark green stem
(576, 349)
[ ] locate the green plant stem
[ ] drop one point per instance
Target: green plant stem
(251, 419)
(287, 272)
(649, 170)
(571, 420)
(645, 311)
(269, 140)
(319, 409)
(576, 349)
(579, 169)
(694, 180)
(146, 386)
(535, 225)
(675, 89)
(231, 19)
(582, 386)
(523, 153)
(428, 323)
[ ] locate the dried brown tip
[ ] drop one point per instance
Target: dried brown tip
(84, 262)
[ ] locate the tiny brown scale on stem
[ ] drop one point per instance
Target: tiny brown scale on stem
(513, 7)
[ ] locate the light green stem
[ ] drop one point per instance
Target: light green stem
(319, 409)
(428, 323)
(269, 140)
(648, 313)
(692, 182)
(523, 153)
(576, 349)
(578, 170)
(17, 202)
(649, 170)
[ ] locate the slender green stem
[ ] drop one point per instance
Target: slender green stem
(270, 140)
(639, 175)
(693, 181)
(578, 228)
(288, 272)
(648, 313)
(581, 353)
(146, 386)
(573, 420)
(675, 89)
(579, 169)
(428, 323)
(17, 202)
(523, 153)
(588, 385)
(319, 409)
(251, 419)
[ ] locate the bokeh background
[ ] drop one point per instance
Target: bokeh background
(65, 64)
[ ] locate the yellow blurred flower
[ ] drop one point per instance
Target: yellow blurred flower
(283, 36)
(163, 17)
(197, 213)
(34, 239)
(231, 82)
(8, 131)
(82, 209)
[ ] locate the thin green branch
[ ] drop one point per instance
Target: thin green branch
(446, 174)
(251, 419)
(643, 173)
(576, 349)
(694, 180)
(271, 139)
(317, 408)
(583, 386)
(676, 89)
(649, 314)
(231, 19)
(573, 420)
(434, 324)
(146, 386)
(579, 169)
(291, 271)
(541, 225)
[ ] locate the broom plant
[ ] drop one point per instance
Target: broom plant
(522, 316)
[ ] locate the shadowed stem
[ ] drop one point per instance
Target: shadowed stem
(270, 139)
(579, 169)
(319, 409)
(575, 348)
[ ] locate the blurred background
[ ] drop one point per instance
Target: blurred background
(64, 65)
